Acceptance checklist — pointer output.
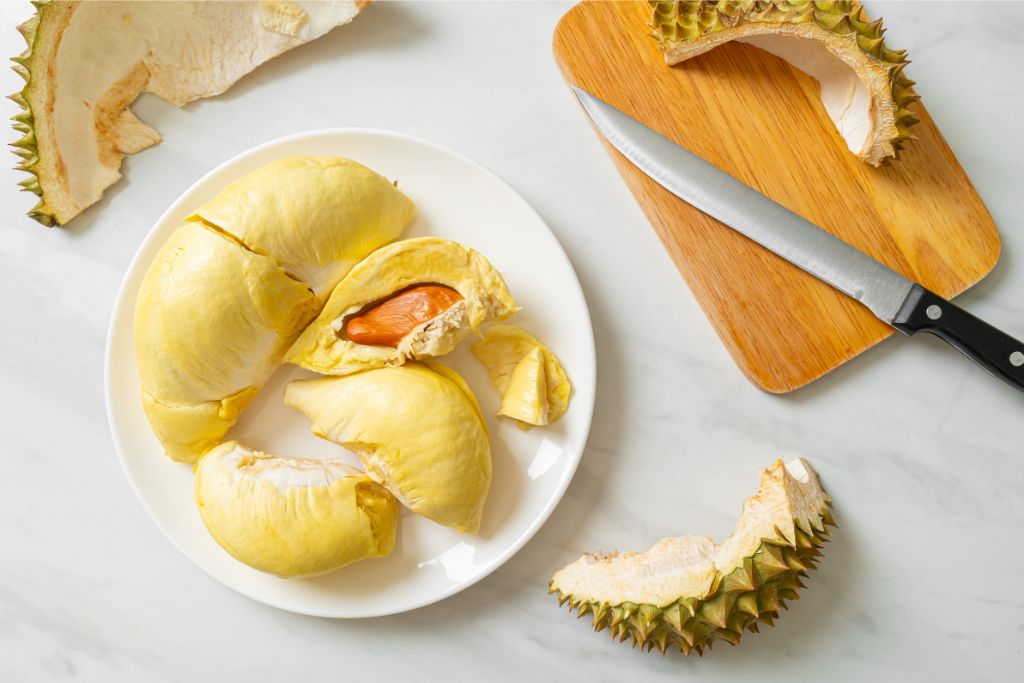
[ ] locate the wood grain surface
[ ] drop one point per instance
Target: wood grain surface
(756, 117)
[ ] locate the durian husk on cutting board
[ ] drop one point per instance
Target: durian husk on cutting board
(756, 117)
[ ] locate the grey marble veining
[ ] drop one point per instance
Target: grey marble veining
(921, 451)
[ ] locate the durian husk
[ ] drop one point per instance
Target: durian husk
(759, 576)
(687, 29)
(232, 38)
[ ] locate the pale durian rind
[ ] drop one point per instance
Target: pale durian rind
(316, 216)
(387, 271)
(687, 592)
(212, 321)
(417, 430)
(292, 516)
(86, 62)
(874, 119)
(534, 388)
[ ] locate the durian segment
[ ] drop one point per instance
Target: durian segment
(863, 87)
(86, 62)
(526, 398)
(317, 216)
(212, 321)
(292, 516)
(687, 592)
(534, 388)
(322, 346)
(418, 431)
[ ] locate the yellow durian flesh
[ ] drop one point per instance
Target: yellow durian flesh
(186, 431)
(526, 397)
(292, 516)
(534, 388)
(226, 295)
(317, 216)
(212, 321)
(322, 347)
(416, 429)
(687, 592)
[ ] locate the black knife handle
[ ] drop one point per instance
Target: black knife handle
(997, 352)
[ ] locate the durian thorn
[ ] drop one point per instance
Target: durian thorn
(646, 619)
(748, 604)
(897, 70)
(21, 71)
(728, 635)
(28, 29)
(662, 641)
(803, 540)
(42, 217)
(793, 561)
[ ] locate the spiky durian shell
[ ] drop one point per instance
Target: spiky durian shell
(176, 71)
(680, 21)
(751, 594)
(26, 146)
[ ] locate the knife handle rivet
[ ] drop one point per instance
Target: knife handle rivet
(1017, 359)
(933, 312)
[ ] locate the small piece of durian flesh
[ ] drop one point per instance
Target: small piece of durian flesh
(533, 386)
(526, 397)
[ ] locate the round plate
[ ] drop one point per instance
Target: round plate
(455, 198)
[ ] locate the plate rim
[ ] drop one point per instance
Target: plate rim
(513, 548)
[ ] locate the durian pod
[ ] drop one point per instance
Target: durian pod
(482, 295)
(292, 516)
(317, 216)
(211, 323)
(417, 430)
(230, 290)
(863, 87)
(687, 592)
(76, 125)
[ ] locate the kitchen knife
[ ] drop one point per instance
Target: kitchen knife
(894, 299)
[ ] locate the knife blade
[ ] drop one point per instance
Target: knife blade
(891, 297)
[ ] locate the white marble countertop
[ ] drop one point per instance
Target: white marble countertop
(921, 451)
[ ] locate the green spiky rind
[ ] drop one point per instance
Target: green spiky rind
(752, 594)
(26, 147)
(679, 21)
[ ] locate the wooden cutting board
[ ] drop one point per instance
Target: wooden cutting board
(756, 117)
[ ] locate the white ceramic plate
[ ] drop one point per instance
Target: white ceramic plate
(455, 198)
